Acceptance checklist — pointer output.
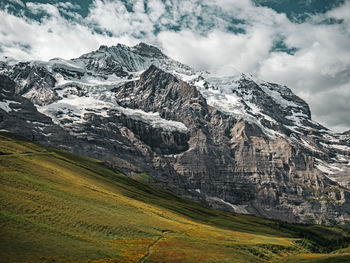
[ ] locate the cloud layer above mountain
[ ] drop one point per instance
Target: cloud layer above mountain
(309, 51)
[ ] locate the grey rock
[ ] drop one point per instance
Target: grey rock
(234, 143)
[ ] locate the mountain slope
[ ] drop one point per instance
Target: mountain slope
(56, 206)
(232, 142)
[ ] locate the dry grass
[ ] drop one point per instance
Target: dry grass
(60, 207)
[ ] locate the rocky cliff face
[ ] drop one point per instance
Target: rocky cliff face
(19, 115)
(232, 142)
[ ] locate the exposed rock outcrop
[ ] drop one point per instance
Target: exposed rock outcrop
(235, 142)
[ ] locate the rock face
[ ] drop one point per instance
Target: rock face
(19, 115)
(34, 83)
(232, 142)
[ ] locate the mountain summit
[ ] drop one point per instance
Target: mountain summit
(234, 142)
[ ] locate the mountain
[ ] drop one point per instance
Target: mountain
(232, 142)
(61, 207)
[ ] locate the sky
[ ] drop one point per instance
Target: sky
(304, 44)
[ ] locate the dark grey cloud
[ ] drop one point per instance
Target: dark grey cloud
(332, 107)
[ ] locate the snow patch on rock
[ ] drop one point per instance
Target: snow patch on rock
(240, 209)
(5, 105)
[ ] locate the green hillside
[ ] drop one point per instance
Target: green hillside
(59, 207)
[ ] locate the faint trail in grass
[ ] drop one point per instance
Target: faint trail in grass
(149, 251)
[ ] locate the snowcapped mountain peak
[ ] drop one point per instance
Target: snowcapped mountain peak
(272, 107)
(141, 48)
(120, 59)
(231, 135)
(146, 50)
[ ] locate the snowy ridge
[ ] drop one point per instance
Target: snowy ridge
(84, 85)
(154, 120)
(99, 71)
(62, 64)
(225, 94)
(239, 95)
(83, 90)
(74, 108)
(130, 59)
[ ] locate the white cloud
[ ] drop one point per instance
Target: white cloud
(68, 5)
(53, 36)
(156, 8)
(45, 8)
(115, 18)
(319, 71)
(19, 2)
(198, 33)
(341, 12)
(332, 107)
(218, 49)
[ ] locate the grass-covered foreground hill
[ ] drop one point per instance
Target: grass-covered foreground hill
(60, 207)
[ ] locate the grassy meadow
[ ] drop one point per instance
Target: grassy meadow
(59, 207)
